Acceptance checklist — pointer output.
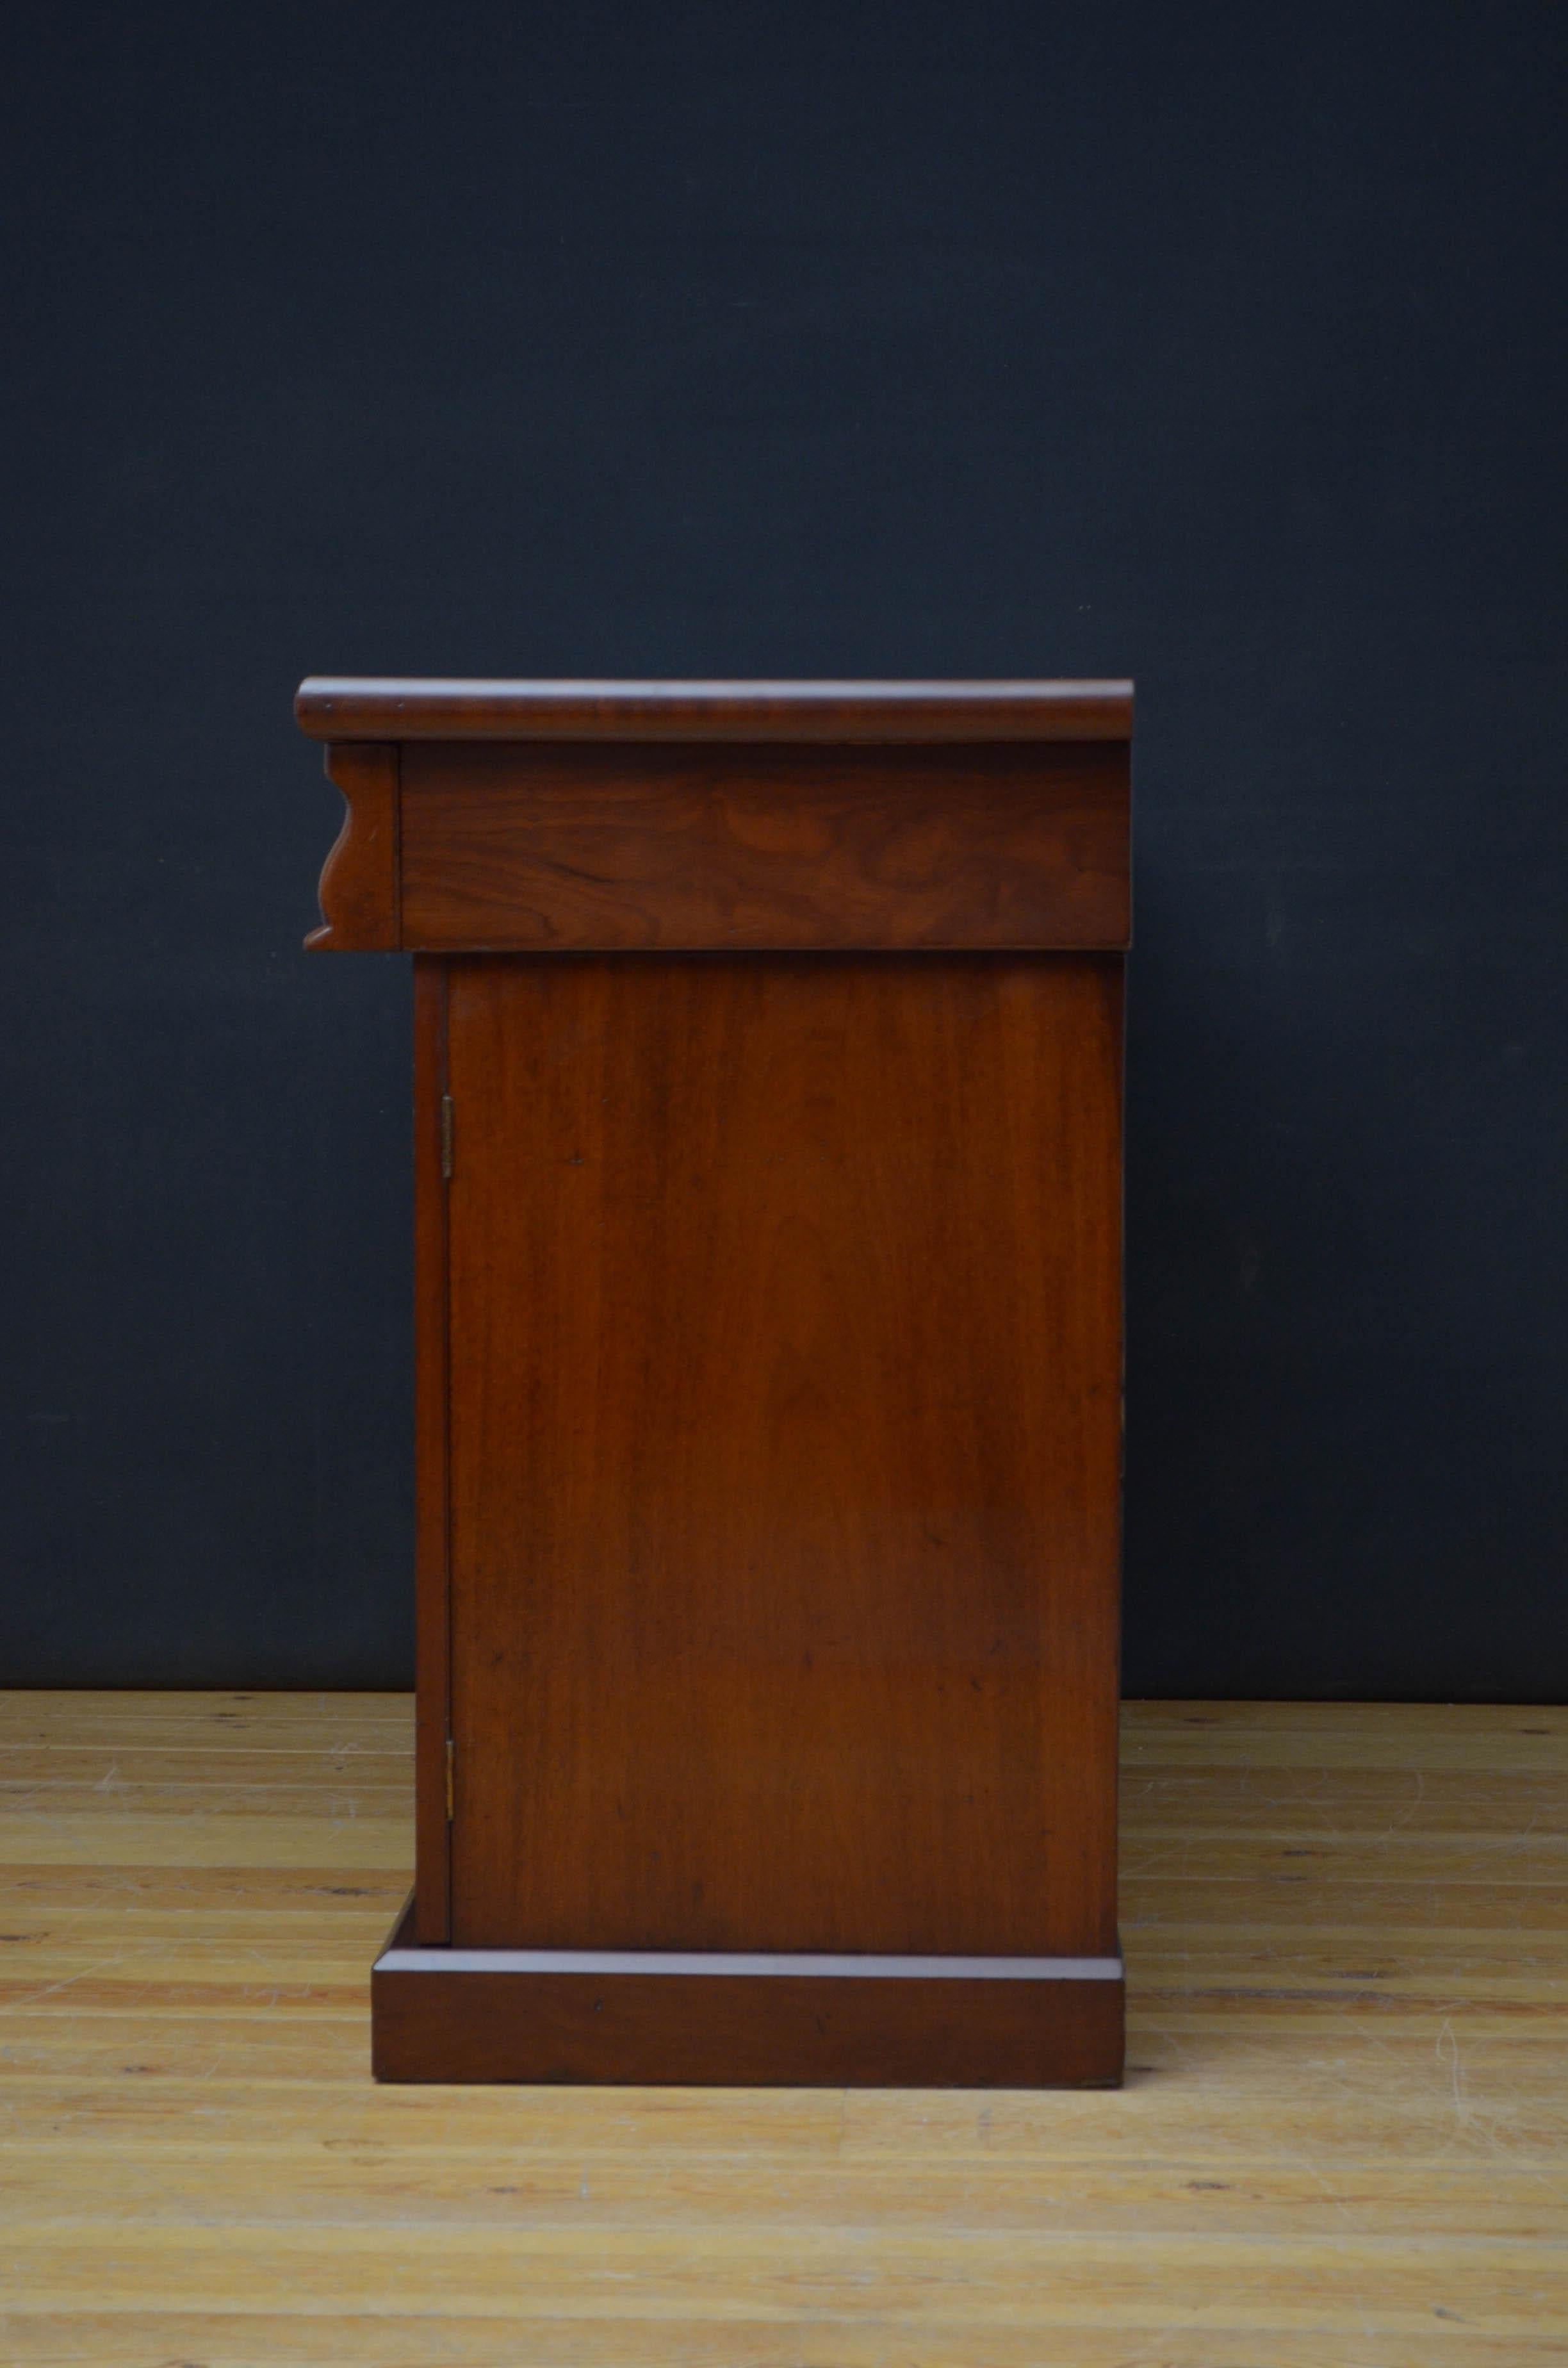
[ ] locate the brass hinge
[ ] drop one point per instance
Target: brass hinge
(451, 1754)
(446, 1136)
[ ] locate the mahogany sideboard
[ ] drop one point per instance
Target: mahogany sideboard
(767, 1091)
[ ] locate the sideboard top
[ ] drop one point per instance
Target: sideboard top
(343, 708)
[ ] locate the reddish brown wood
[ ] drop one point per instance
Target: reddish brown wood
(359, 891)
(349, 708)
(432, 1905)
(768, 1362)
(785, 1443)
(752, 2032)
(746, 847)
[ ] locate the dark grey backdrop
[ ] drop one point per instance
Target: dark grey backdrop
(1220, 346)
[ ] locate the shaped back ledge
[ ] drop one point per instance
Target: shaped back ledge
(359, 891)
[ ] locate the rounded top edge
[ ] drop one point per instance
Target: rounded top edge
(333, 707)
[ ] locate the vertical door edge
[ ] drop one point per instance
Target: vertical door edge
(432, 1902)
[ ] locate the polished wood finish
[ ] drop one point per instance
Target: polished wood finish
(745, 847)
(557, 846)
(1342, 2139)
(768, 1162)
(431, 1399)
(360, 892)
(785, 1439)
(723, 2030)
(353, 708)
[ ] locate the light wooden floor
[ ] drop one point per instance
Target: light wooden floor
(1345, 2141)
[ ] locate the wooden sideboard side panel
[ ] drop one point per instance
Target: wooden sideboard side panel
(735, 848)
(785, 1440)
(432, 1908)
(361, 891)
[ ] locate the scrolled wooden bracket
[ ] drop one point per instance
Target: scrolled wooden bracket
(359, 887)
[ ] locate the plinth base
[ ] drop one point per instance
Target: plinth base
(745, 2022)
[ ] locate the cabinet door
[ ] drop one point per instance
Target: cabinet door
(784, 1451)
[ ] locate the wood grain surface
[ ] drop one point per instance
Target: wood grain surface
(359, 891)
(739, 2029)
(555, 849)
(1342, 2144)
(372, 707)
(433, 1904)
(785, 1443)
